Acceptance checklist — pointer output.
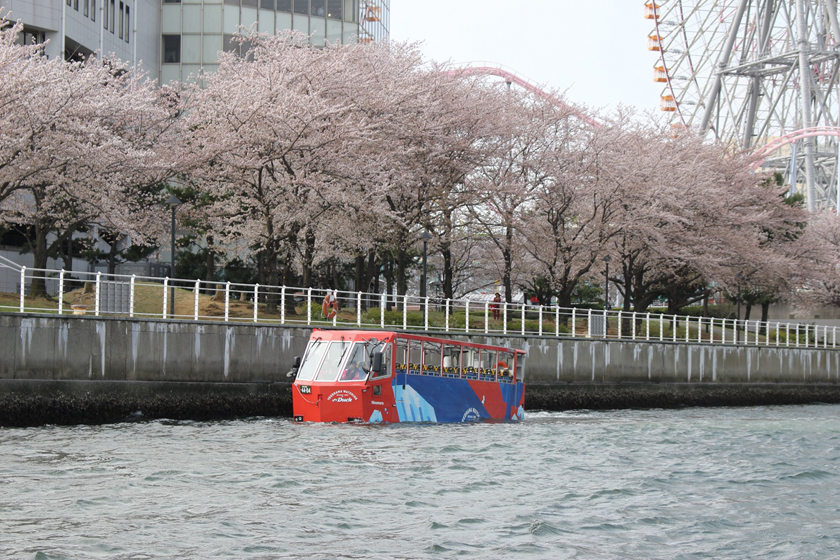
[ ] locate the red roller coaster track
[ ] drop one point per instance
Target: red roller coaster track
(510, 76)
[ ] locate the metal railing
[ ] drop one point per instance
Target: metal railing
(115, 295)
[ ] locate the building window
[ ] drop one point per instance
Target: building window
(76, 5)
(284, 5)
(87, 7)
(127, 24)
(171, 49)
(122, 15)
(171, 1)
(318, 8)
(113, 15)
(302, 6)
(69, 2)
(105, 14)
(267, 4)
(334, 9)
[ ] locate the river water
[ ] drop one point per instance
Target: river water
(692, 483)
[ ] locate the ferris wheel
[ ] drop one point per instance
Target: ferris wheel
(761, 75)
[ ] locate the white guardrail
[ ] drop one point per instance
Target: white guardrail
(115, 295)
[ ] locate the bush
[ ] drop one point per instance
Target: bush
(722, 311)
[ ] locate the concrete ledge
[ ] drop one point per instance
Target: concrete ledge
(557, 397)
(38, 402)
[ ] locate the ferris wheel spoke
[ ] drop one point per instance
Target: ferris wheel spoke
(749, 72)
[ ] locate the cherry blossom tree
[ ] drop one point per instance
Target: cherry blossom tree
(78, 145)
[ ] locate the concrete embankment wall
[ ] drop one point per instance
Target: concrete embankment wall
(71, 369)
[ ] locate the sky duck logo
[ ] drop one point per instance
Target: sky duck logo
(470, 414)
(342, 396)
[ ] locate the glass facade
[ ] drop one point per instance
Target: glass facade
(201, 28)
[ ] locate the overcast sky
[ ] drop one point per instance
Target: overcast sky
(596, 50)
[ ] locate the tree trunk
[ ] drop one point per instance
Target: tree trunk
(372, 272)
(38, 286)
(388, 266)
(308, 257)
(112, 258)
(210, 261)
(402, 276)
(289, 304)
(507, 255)
(447, 271)
(765, 314)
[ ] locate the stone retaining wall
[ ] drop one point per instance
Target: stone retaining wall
(86, 369)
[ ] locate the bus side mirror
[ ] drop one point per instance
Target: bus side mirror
(293, 372)
(377, 362)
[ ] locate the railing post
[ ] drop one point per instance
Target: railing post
(405, 312)
(309, 306)
(539, 311)
(425, 313)
(131, 296)
(589, 323)
(606, 324)
(382, 311)
(446, 310)
(197, 292)
(283, 305)
(699, 329)
(834, 338)
(633, 335)
(557, 321)
(619, 324)
(647, 326)
(256, 300)
(466, 315)
(661, 327)
(22, 287)
(61, 292)
(777, 334)
(674, 329)
(807, 332)
(96, 294)
(227, 301)
(486, 317)
(504, 317)
(165, 296)
(335, 317)
(787, 334)
(523, 315)
(359, 309)
(574, 317)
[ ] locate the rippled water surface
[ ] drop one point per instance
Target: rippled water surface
(738, 483)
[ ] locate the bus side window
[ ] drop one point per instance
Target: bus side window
(402, 357)
(414, 356)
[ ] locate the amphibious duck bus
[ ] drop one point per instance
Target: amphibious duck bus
(375, 376)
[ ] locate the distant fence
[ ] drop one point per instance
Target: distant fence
(132, 296)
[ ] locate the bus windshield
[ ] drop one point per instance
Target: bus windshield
(332, 361)
(312, 359)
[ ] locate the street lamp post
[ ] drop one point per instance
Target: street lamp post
(425, 236)
(607, 282)
(173, 203)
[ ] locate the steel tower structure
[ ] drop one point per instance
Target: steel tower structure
(761, 75)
